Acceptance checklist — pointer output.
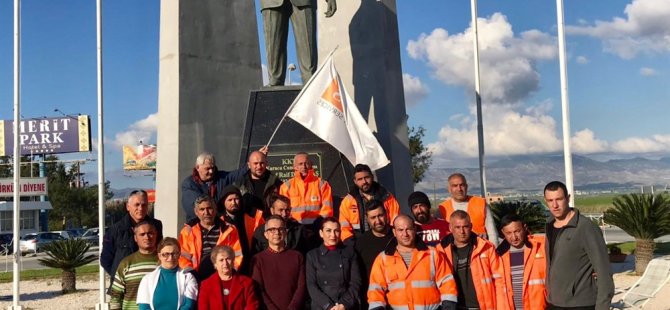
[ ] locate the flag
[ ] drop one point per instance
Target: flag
(326, 109)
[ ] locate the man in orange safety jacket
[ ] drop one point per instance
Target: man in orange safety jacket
(480, 213)
(310, 196)
(352, 208)
(476, 266)
(201, 234)
(524, 264)
(409, 274)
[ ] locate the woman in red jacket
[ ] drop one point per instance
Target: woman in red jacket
(226, 290)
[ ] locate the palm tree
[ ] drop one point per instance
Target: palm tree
(643, 216)
(67, 255)
(532, 212)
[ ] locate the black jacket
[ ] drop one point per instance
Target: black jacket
(249, 200)
(380, 193)
(333, 277)
(192, 188)
(119, 242)
(298, 237)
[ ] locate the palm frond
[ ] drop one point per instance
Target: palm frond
(643, 216)
(532, 212)
(67, 254)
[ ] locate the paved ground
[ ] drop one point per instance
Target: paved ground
(29, 261)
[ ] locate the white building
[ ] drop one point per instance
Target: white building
(29, 218)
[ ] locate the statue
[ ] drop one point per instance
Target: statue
(276, 14)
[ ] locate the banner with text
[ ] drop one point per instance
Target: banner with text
(55, 135)
(29, 187)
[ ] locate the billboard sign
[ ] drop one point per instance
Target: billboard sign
(29, 187)
(139, 157)
(55, 135)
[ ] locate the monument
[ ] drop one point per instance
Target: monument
(210, 75)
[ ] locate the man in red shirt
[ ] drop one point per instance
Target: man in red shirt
(431, 229)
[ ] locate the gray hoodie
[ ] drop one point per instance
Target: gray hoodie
(579, 252)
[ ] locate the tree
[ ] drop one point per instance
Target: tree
(531, 212)
(643, 216)
(67, 255)
(420, 155)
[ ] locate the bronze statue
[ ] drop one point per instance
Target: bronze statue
(276, 15)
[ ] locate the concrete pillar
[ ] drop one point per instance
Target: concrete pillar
(209, 60)
(368, 61)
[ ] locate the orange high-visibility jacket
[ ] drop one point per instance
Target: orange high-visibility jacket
(190, 241)
(310, 198)
(534, 292)
(425, 284)
(486, 272)
(476, 210)
(251, 223)
(352, 212)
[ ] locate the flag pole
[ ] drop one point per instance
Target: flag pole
(102, 305)
(565, 105)
(17, 156)
(305, 86)
(478, 99)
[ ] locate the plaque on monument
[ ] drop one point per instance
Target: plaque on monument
(266, 109)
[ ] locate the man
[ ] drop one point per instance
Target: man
(476, 266)
(375, 240)
(257, 181)
(352, 208)
(480, 213)
(245, 221)
(199, 236)
(524, 264)
(276, 14)
(119, 240)
(431, 229)
(278, 272)
(206, 178)
(310, 195)
(298, 237)
(131, 269)
(409, 274)
(578, 274)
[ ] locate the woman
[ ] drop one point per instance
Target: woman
(168, 287)
(333, 278)
(226, 290)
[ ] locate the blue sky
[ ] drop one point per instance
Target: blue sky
(618, 68)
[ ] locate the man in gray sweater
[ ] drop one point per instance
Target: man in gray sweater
(578, 270)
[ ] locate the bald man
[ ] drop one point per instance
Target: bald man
(257, 181)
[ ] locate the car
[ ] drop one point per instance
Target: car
(35, 242)
(65, 234)
(76, 232)
(91, 236)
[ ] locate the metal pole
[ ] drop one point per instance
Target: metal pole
(17, 154)
(567, 152)
(101, 160)
(478, 98)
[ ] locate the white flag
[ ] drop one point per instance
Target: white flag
(325, 108)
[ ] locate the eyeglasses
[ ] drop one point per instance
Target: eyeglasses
(167, 255)
(276, 230)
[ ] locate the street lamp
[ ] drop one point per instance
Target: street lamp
(291, 67)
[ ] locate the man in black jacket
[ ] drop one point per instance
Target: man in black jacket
(256, 182)
(119, 240)
(578, 270)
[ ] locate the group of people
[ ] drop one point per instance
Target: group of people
(252, 241)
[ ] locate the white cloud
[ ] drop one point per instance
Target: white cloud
(415, 90)
(655, 144)
(585, 142)
(645, 29)
(142, 130)
(648, 71)
(507, 62)
(582, 60)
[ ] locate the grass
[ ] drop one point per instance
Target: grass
(47, 273)
(662, 248)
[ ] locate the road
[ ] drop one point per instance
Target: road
(615, 235)
(30, 262)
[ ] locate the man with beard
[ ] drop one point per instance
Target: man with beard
(257, 181)
(352, 210)
(410, 275)
(245, 220)
(373, 241)
(431, 229)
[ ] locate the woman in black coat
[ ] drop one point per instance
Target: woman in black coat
(333, 275)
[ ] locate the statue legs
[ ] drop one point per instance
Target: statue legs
(275, 28)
